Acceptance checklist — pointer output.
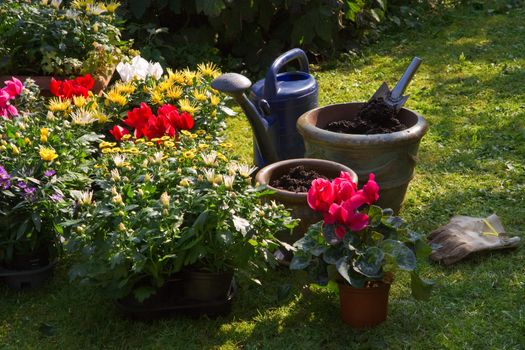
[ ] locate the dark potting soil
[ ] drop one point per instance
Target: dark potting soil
(375, 117)
(297, 179)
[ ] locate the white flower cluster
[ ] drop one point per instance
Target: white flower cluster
(139, 69)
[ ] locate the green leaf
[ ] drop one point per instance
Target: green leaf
(144, 292)
(421, 288)
(329, 234)
(375, 15)
(37, 221)
(175, 6)
(370, 263)
(332, 254)
(375, 214)
(212, 8)
(382, 3)
(300, 261)
(404, 256)
(138, 7)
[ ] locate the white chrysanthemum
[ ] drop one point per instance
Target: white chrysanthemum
(82, 117)
(209, 159)
(119, 160)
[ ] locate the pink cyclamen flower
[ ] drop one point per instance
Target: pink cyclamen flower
(321, 195)
(6, 109)
(344, 187)
(370, 190)
(13, 87)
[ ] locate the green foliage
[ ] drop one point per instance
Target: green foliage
(163, 207)
(32, 201)
(253, 31)
(46, 39)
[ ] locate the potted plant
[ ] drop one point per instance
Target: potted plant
(45, 39)
(40, 156)
(289, 180)
(163, 209)
(391, 156)
(359, 245)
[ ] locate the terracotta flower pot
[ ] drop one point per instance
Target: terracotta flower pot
(296, 202)
(391, 157)
(364, 307)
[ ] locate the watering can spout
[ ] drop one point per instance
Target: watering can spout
(234, 85)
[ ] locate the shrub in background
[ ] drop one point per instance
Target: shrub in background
(252, 32)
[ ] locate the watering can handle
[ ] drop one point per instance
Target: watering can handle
(270, 81)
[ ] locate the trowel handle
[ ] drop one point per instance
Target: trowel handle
(402, 84)
(270, 81)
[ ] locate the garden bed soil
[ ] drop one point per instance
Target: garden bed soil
(375, 117)
(297, 179)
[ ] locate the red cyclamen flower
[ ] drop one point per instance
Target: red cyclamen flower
(118, 132)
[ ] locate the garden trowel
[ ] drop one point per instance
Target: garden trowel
(394, 99)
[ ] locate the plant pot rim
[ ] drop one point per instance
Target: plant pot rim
(306, 125)
(378, 285)
(268, 170)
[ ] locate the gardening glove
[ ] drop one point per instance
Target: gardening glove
(464, 235)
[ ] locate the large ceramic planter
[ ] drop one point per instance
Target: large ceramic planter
(391, 157)
(296, 202)
(364, 307)
(43, 81)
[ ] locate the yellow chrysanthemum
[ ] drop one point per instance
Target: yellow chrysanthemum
(27, 141)
(15, 149)
(134, 150)
(165, 85)
(190, 76)
(188, 154)
(209, 70)
(214, 113)
(44, 132)
(106, 150)
(200, 132)
(200, 95)
(141, 140)
(215, 100)
(47, 154)
(169, 143)
(79, 101)
(175, 92)
(116, 149)
(112, 6)
(185, 132)
(222, 157)
(102, 118)
(176, 77)
(227, 144)
(124, 88)
(187, 106)
(157, 97)
(56, 104)
(117, 98)
(149, 144)
(203, 146)
(126, 137)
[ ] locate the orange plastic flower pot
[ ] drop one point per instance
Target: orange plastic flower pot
(364, 307)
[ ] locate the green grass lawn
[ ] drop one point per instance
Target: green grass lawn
(471, 89)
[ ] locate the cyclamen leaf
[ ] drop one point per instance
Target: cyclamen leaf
(404, 256)
(300, 261)
(370, 263)
(421, 288)
(332, 255)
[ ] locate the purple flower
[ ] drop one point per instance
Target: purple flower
(49, 173)
(57, 197)
(21, 185)
(4, 178)
(30, 193)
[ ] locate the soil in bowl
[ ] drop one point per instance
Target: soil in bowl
(297, 179)
(375, 117)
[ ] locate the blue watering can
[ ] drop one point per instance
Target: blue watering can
(274, 105)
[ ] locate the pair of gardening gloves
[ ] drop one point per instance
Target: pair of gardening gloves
(464, 235)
